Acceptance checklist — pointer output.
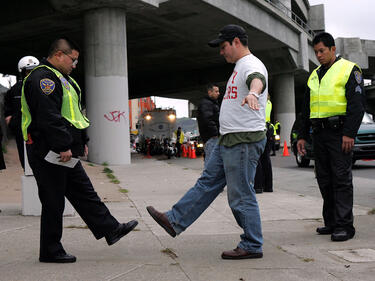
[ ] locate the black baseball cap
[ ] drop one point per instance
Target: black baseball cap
(228, 33)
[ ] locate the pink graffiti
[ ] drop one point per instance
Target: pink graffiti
(115, 116)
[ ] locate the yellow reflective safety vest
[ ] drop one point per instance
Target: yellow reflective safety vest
(327, 96)
(268, 111)
(70, 109)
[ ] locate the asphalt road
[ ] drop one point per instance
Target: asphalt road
(288, 176)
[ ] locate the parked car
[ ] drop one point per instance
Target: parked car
(364, 142)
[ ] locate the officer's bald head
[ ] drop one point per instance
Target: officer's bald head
(63, 44)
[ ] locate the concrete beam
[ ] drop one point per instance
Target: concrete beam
(352, 49)
(316, 18)
(262, 16)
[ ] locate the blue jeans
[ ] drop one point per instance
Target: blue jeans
(208, 147)
(235, 167)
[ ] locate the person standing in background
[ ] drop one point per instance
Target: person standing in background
(12, 104)
(208, 120)
(179, 135)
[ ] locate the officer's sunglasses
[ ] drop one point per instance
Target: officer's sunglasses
(74, 61)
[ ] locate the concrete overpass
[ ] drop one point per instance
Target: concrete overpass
(137, 48)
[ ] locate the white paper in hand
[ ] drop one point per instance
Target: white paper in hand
(54, 158)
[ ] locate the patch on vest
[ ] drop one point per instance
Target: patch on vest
(358, 76)
(65, 82)
(47, 86)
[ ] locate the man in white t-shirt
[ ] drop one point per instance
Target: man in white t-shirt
(234, 159)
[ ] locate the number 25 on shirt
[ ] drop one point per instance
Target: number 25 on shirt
(231, 90)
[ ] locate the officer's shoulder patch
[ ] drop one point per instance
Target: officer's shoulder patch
(64, 82)
(47, 86)
(358, 76)
(358, 89)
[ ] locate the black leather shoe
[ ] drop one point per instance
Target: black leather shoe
(162, 220)
(59, 258)
(324, 230)
(342, 235)
(239, 254)
(120, 232)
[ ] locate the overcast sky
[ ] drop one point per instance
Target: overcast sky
(349, 18)
(343, 18)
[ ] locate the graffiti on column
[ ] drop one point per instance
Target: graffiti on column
(115, 116)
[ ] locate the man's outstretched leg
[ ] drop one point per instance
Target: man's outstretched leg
(196, 200)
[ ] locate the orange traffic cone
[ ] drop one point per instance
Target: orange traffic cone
(189, 151)
(193, 156)
(285, 150)
(184, 152)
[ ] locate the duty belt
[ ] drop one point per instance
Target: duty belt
(334, 122)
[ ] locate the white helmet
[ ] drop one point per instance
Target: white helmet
(27, 63)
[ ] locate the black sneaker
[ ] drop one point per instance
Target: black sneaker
(120, 232)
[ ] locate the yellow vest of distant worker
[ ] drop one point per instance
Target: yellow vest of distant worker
(268, 111)
(327, 96)
(70, 109)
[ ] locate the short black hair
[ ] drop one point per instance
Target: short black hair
(325, 38)
(244, 41)
(63, 44)
(210, 86)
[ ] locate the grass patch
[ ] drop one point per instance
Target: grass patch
(372, 212)
(109, 173)
(123, 190)
(111, 176)
(169, 252)
(77, 226)
(307, 259)
(90, 164)
(4, 149)
(107, 170)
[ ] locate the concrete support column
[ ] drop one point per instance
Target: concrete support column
(106, 81)
(283, 103)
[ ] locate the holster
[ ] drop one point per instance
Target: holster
(333, 123)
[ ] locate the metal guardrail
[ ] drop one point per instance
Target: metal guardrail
(289, 13)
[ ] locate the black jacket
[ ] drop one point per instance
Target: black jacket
(208, 118)
(356, 100)
(12, 106)
(48, 129)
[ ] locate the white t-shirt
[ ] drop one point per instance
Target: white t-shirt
(234, 117)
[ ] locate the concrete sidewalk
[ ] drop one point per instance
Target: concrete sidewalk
(292, 250)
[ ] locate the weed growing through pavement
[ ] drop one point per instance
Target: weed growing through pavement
(169, 252)
(109, 173)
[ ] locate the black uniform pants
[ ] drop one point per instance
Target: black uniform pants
(334, 175)
(263, 176)
(54, 184)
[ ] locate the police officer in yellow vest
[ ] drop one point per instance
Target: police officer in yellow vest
(334, 107)
(52, 121)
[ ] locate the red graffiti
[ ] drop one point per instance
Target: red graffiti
(115, 116)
